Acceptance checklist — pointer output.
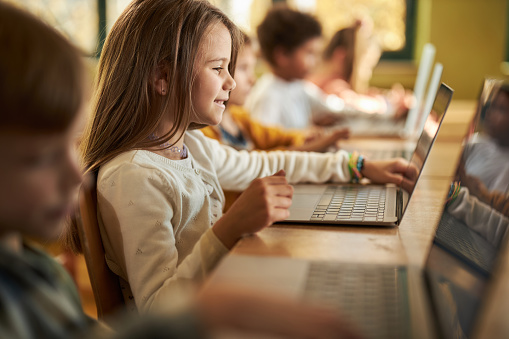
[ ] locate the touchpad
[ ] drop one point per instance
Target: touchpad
(305, 201)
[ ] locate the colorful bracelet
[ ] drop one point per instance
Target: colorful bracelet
(453, 192)
(355, 166)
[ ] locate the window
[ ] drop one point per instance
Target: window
(393, 20)
(86, 22)
(77, 19)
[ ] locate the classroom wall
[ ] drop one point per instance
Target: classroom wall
(470, 39)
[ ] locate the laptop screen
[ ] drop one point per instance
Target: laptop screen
(428, 136)
(475, 218)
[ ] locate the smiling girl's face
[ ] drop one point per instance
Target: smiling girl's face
(213, 82)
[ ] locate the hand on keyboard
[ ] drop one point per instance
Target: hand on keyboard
(385, 171)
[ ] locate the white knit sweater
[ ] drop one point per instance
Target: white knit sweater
(156, 214)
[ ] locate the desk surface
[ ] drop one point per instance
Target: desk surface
(407, 244)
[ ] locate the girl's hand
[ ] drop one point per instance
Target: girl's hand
(395, 171)
(264, 202)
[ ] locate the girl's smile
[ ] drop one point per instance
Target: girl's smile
(220, 103)
(213, 82)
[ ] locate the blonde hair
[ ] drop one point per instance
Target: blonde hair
(148, 35)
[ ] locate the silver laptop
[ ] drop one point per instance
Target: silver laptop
(381, 125)
(443, 299)
(412, 130)
(380, 205)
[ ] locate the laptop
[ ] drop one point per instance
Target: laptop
(443, 299)
(373, 205)
(413, 127)
(381, 125)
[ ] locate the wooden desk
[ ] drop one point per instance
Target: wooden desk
(407, 244)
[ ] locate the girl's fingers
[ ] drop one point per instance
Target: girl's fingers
(280, 214)
(281, 190)
(275, 180)
(280, 173)
(280, 202)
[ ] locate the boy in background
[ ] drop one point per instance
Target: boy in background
(291, 43)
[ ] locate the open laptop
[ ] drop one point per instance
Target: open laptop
(412, 130)
(442, 299)
(381, 125)
(354, 204)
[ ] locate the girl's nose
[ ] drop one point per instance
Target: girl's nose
(230, 84)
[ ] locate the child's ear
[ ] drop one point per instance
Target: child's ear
(160, 80)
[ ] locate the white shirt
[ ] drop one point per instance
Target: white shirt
(289, 104)
(480, 217)
(487, 161)
(156, 214)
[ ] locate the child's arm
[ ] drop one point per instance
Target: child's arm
(142, 217)
(482, 218)
(236, 169)
(265, 137)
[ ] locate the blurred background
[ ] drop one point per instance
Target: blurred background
(471, 36)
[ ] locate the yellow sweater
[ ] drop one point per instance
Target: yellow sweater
(260, 136)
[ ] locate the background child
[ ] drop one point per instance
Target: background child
(349, 53)
(291, 42)
(164, 70)
(41, 93)
(239, 130)
(482, 200)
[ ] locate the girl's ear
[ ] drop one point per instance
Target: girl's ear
(160, 80)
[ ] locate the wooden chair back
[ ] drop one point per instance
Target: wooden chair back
(105, 284)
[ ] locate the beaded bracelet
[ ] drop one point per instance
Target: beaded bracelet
(355, 166)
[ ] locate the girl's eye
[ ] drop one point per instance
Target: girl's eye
(218, 69)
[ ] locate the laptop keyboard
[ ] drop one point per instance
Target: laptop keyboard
(373, 297)
(351, 203)
(455, 235)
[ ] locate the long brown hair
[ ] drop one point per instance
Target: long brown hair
(147, 35)
(344, 38)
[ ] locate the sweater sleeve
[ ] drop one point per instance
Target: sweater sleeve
(236, 169)
(480, 217)
(137, 207)
(265, 137)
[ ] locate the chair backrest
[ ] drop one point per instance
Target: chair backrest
(105, 284)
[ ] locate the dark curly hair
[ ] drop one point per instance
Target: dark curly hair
(286, 28)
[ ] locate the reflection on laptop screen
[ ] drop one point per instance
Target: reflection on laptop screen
(475, 218)
(429, 133)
